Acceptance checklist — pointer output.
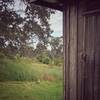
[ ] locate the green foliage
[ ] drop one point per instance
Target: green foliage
(39, 58)
(56, 44)
(18, 28)
(46, 60)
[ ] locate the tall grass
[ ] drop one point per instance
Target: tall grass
(25, 69)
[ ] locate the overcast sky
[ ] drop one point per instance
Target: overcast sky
(56, 24)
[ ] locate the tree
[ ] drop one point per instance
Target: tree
(26, 51)
(16, 30)
(40, 49)
(56, 44)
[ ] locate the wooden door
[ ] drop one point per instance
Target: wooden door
(91, 57)
(82, 51)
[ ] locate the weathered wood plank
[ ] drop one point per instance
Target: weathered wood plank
(90, 40)
(70, 51)
(81, 52)
(73, 53)
(66, 52)
(97, 60)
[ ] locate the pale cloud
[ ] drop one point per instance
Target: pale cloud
(56, 22)
(20, 7)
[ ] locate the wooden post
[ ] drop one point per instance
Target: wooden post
(70, 40)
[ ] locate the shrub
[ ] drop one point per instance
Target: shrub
(39, 58)
(46, 60)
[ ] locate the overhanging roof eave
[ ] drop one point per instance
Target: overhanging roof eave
(56, 6)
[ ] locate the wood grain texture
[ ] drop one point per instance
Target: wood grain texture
(73, 53)
(70, 51)
(66, 53)
(97, 60)
(82, 52)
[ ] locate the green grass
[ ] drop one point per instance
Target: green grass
(30, 91)
(26, 70)
(26, 79)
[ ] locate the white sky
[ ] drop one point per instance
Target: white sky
(56, 22)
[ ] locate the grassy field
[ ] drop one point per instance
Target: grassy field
(27, 70)
(26, 79)
(30, 91)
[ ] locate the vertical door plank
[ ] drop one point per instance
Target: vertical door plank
(97, 60)
(90, 50)
(81, 51)
(66, 27)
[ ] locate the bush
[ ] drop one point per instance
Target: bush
(46, 60)
(39, 58)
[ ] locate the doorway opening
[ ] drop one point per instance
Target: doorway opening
(31, 52)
